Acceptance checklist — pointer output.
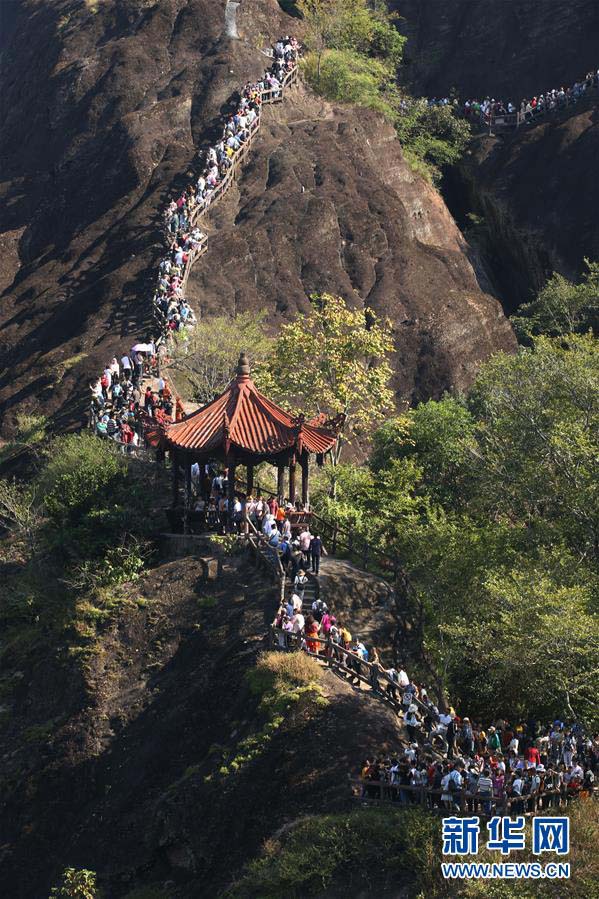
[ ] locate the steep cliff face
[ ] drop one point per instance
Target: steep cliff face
(512, 49)
(329, 203)
(103, 107)
(111, 760)
(537, 201)
(532, 190)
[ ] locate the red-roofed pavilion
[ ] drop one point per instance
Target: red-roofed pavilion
(243, 427)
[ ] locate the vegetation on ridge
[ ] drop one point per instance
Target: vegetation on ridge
(490, 502)
(354, 54)
(372, 851)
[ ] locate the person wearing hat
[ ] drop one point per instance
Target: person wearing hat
(467, 737)
(493, 740)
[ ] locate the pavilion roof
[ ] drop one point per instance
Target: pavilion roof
(243, 418)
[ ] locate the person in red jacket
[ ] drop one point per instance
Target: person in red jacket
(533, 757)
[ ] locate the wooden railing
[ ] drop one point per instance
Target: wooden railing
(464, 803)
(267, 97)
(269, 556)
(338, 541)
(516, 119)
(348, 663)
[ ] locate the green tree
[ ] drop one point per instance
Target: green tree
(491, 506)
(432, 137)
(562, 307)
(538, 440)
(351, 25)
(349, 77)
(440, 434)
(534, 645)
(333, 360)
(76, 884)
(324, 21)
(203, 365)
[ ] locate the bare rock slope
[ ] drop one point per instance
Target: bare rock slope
(328, 202)
(512, 49)
(103, 107)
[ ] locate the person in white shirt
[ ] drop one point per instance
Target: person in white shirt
(516, 793)
(114, 370)
(402, 678)
(300, 582)
(446, 797)
(411, 752)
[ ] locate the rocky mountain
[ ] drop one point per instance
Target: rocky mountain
(104, 106)
(510, 49)
(143, 726)
(531, 192)
(534, 200)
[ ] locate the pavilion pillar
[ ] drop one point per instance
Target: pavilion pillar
(305, 480)
(249, 484)
(292, 481)
(231, 466)
(187, 502)
(281, 482)
(175, 464)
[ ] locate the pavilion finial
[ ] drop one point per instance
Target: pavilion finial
(243, 366)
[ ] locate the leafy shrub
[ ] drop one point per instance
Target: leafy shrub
(432, 137)
(76, 884)
(375, 845)
(350, 77)
(280, 670)
(78, 469)
(562, 307)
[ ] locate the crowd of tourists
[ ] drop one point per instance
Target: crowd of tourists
(315, 628)
(184, 238)
(481, 768)
(275, 523)
(457, 762)
(489, 109)
(119, 403)
(119, 400)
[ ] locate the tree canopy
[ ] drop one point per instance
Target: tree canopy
(562, 307)
(491, 504)
(204, 364)
(338, 360)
